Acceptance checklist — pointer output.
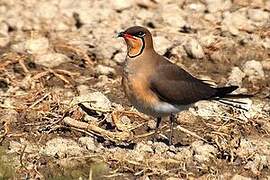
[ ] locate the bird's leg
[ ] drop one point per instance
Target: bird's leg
(156, 129)
(158, 122)
(172, 119)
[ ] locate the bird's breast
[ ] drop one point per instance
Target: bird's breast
(140, 96)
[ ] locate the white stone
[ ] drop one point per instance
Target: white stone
(95, 99)
(218, 5)
(120, 5)
(62, 147)
(161, 44)
(46, 10)
(203, 152)
(239, 177)
(266, 64)
(258, 15)
(51, 59)
(253, 70)
(236, 76)
(194, 49)
(160, 147)
(105, 70)
(36, 45)
(198, 7)
(141, 147)
(173, 16)
(233, 22)
(88, 142)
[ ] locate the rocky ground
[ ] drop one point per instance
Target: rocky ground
(63, 114)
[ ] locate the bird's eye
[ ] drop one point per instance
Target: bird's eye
(141, 34)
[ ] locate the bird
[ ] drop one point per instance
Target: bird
(157, 87)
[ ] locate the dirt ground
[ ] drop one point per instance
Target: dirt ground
(63, 113)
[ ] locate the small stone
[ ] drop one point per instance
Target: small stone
(161, 44)
(9, 116)
(95, 99)
(217, 5)
(253, 70)
(151, 124)
(17, 147)
(88, 142)
(233, 22)
(177, 52)
(36, 45)
(266, 64)
(120, 5)
(51, 59)
(46, 10)
(266, 43)
(206, 109)
(245, 149)
(83, 89)
(236, 76)
(142, 147)
(62, 147)
(197, 7)
(257, 15)
(173, 16)
(239, 177)
(203, 152)
(4, 41)
(160, 147)
(125, 120)
(105, 70)
(120, 57)
(194, 49)
(3, 29)
(184, 155)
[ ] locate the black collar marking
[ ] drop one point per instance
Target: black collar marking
(143, 46)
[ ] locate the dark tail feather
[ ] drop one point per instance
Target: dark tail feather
(223, 91)
(223, 96)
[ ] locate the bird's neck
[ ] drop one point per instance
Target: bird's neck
(135, 65)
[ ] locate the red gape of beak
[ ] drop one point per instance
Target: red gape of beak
(128, 36)
(125, 35)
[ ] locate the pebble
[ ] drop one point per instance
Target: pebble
(266, 64)
(46, 10)
(95, 99)
(142, 147)
(203, 152)
(194, 49)
(245, 149)
(161, 44)
(120, 5)
(36, 45)
(105, 70)
(236, 76)
(51, 60)
(239, 177)
(173, 16)
(9, 116)
(257, 15)
(160, 147)
(62, 148)
(253, 70)
(87, 142)
(217, 5)
(184, 155)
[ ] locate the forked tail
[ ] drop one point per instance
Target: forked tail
(223, 96)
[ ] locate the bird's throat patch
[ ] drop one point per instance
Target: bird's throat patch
(135, 46)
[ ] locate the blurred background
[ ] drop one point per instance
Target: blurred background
(54, 50)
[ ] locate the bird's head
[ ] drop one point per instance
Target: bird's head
(138, 40)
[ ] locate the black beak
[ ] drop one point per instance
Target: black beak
(120, 34)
